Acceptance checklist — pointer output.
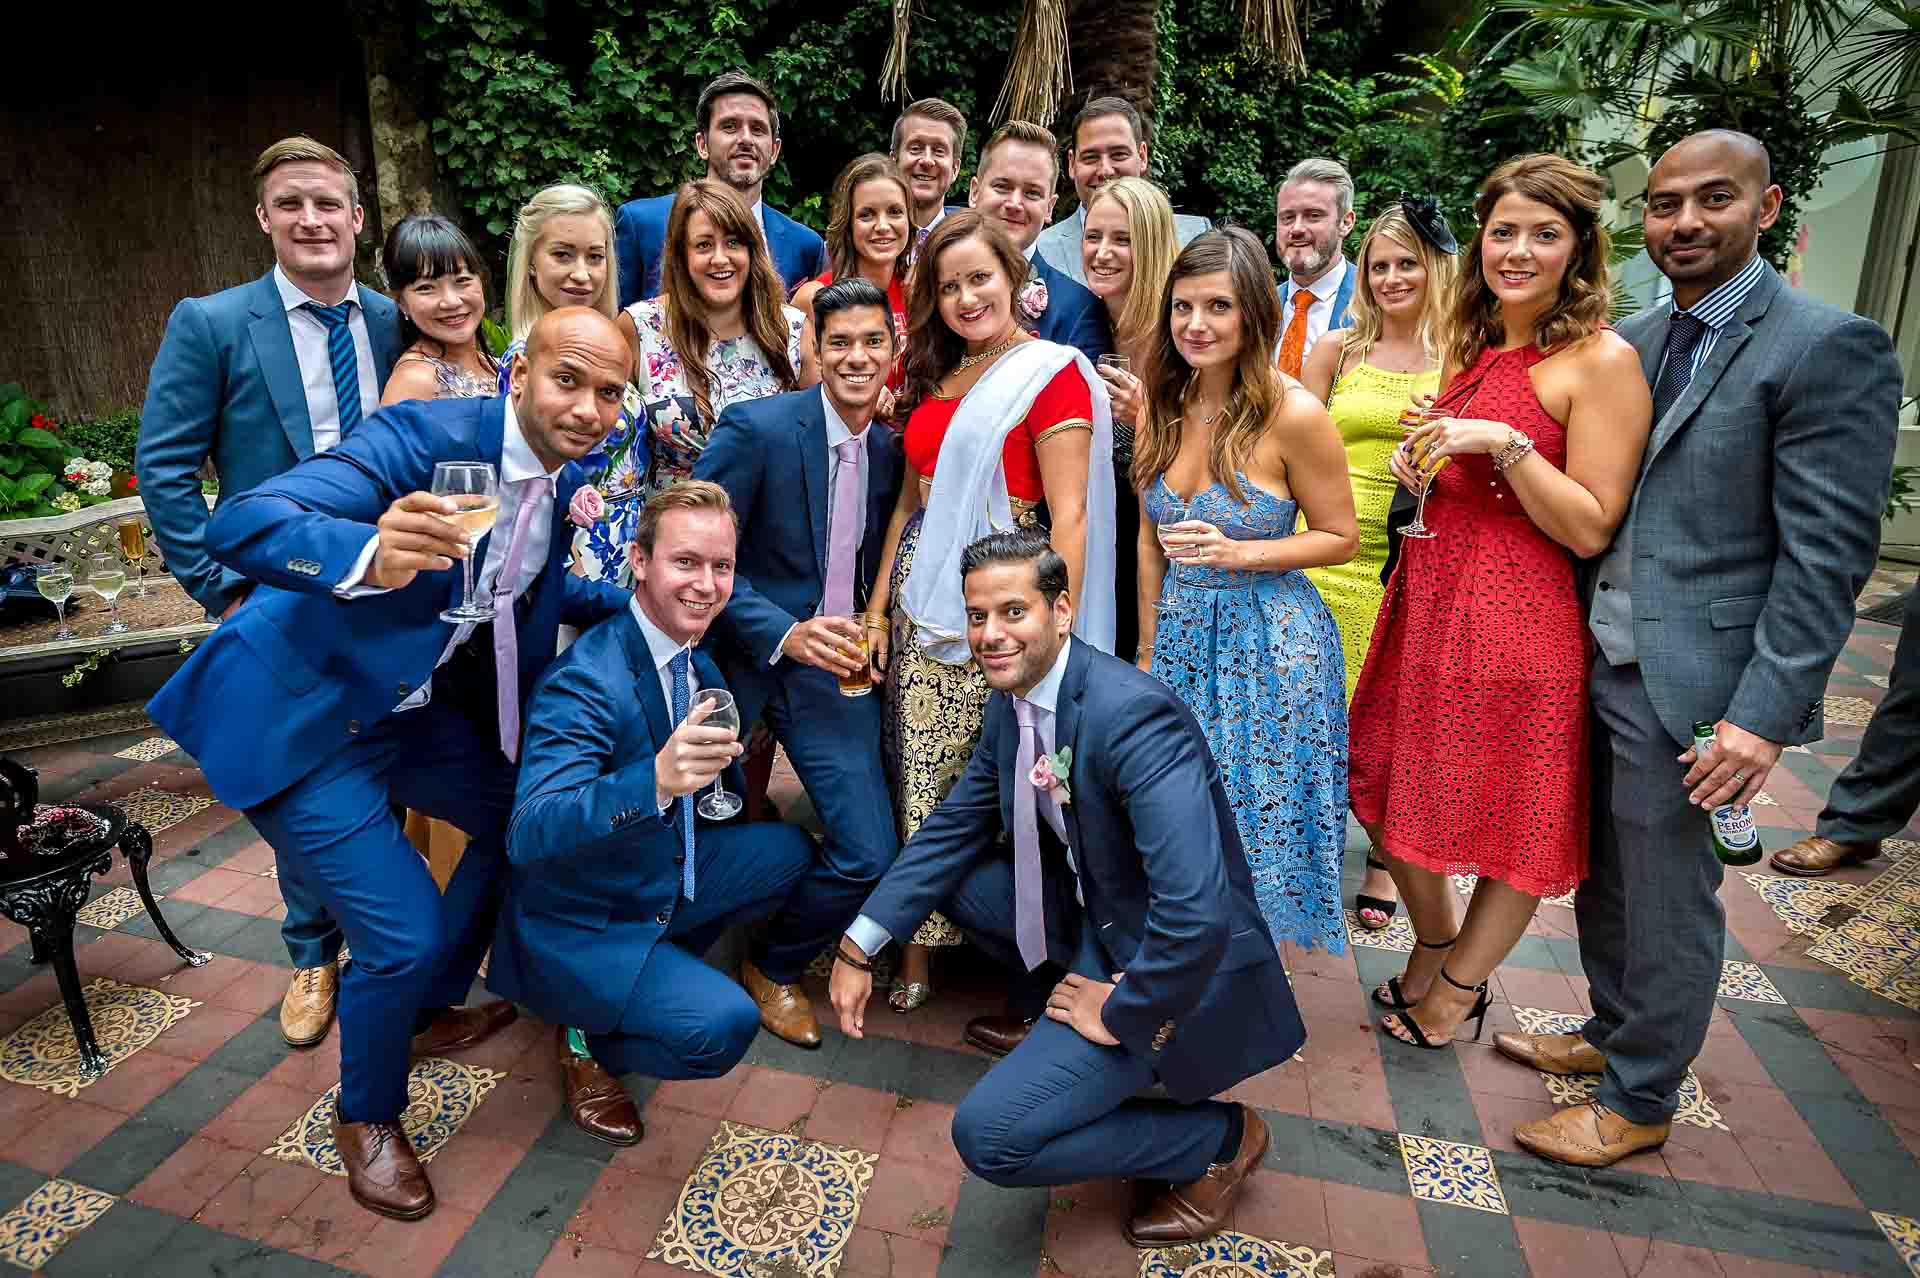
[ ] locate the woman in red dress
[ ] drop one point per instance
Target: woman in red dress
(868, 234)
(1469, 724)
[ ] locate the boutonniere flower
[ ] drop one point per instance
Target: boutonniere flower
(1050, 773)
(1033, 299)
(588, 507)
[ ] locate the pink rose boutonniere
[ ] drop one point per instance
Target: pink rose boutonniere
(1033, 299)
(588, 507)
(1050, 773)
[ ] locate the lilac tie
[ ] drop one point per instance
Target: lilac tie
(843, 533)
(1029, 912)
(506, 643)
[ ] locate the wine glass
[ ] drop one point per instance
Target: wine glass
(107, 577)
(1418, 528)
(55, 584)
(719, 804)
(133, 544)
(1173, 512)
(475, 490)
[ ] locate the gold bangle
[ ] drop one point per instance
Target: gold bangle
(876, 623)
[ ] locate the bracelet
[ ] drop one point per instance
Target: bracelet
(1516, 447)
(840, 955)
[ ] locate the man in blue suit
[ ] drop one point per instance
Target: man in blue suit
(738, 135)
(616, 889)
(1019, 168)
(255, 379)
(1109, 140)
(1128, 872)
(1313, 214)
(339, 692)
(794, 626)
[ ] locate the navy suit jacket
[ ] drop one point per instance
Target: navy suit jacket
(1169, 900)
(757, 449)
(1074, 316)
(595, 865)
(298, 672)
(640, 235)
(226, 385)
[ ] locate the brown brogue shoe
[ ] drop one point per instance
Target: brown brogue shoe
(383, 1175)
(1554, 1053)
(997, 1035)
(1589, 1135)
(1814, 856)
(785, 1010)
(307, 1010)
(596, 1102)
(1197, 1210)
(458, 1028)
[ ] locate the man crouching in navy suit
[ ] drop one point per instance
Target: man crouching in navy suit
(1127, 871)
(338, 692)
(794, 628)
(616, 888)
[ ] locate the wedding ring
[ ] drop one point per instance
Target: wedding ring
(1739, 777)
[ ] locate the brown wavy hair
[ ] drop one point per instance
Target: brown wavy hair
(761, 300)
(1574, 192)
(842, 258)
(1257, 389)
(933, 348)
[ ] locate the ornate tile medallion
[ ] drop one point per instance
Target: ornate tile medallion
(765, 1201)
(1851, 711)
(53, 729)
(1904, 1233)
(42, 1053)
(1442, 1171)
(1696, 1107)
(1878, 948)
(1801, 904)
(1564, 900)
(158, 810)
(441, 1095)
(1747, 981)
(1464, 885)
(1396, 936)
(1231, 1255)
(113, 909)
(149, 750)
(34, 1232)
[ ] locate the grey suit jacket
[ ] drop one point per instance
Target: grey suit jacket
(1757, 515)
(1059, 244)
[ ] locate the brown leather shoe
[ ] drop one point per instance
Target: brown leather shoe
(1589, 1135)
(1197, 1210)
(383, 1175)
(1554, 1053)
(462, 1027)
(785, 1010)
(1814, 856)
(997, 1035)
(596, 1102)
(307, 1010)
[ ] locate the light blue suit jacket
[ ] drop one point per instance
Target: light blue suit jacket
(640, 236)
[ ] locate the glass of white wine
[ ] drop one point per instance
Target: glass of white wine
(719, 804)
(55, 584)
(107, 577)
(475, 490)
(1172, 513)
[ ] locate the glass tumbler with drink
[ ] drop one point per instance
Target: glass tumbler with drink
(107, 577)
(860, 682)
(133, 545)
(475, 490)
(55, 584)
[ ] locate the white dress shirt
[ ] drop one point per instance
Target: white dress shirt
(1320, 314)
(662, 648)
(316, 368)
(837, 434)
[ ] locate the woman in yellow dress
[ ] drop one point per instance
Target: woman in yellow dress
(1372, 376)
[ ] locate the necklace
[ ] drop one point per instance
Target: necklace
(991, 352)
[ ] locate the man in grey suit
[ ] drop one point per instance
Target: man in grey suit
(1725, 598)
(1109, 141)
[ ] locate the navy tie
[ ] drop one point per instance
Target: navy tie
(1676, 374)
(344, 360)
(677, 675)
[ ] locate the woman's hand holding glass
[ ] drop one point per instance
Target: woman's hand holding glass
(1127, 390)
(1443, 437)
(1195, 541)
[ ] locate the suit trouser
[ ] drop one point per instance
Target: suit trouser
(311, 936)
(684, 1018)
(1652, 930)
(1061, 1108)
(335, 835)
(1877, 794)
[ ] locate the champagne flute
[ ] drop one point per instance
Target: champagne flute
(55, 584)
(1418, 528)
(1174, 511)
(107, 577)
(475, 490)
(719, 804)
(133, 544)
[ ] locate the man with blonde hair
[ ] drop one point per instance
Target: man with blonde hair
(1313, 213)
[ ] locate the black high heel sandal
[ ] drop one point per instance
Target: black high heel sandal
(1361, 901)
(1478, 1015)
(1399, 1001)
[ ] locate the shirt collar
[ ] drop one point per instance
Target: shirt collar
(517, 461)
(838, 432)
(293, 299)
(1033, 248)
(1327, 285)
(1718, 307)
(660, 646)
(936, 217)
(1046, 693)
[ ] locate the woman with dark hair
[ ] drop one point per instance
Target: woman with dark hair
(1470, 719)
(869, 234)
(1231, 454)
(1018, 431)
(438, 282)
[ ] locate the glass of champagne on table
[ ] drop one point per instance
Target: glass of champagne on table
(55, 584)
(107, 577)
(719, 804)
(133, 544)
(475, 490)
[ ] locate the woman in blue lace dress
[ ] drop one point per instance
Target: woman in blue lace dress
(1230, 455)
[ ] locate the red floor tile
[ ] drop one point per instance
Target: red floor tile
(1351, 1096)
(571, 1258)
(623, 1211)
(201, 1032)
(848, 1115)
(469, 1170)
(704, 1095)
(1565, 1251)
(410, 1248)
(204, 983)
(259, 1200)
(1083, 1233)
(1499, 1115)
(135, 1081)
(327, 1225)
(1650, 1256)
(676, 1140)
(63, 1132)
(1379, 1226)
(1711, 1158)
(258, 1116)
(1760, 1111)
(1347, 1266)
(1798, 1171)
(923, 1133)
(255, 896)
(1282, 1088)
(872, 1254)
(1486, 1070)
(773, 1099)
(212, 886)
(1284, 1208)
(20, 1109)
(194, 1173)
(904, 1193)
(260, 988)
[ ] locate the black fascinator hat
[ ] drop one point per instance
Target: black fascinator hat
(1429, 222)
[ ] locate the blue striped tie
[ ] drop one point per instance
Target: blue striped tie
(344, 360)
(677, 675)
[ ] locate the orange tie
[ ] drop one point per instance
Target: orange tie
(1293, 346)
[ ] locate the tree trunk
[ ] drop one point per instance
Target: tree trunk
(1115, 51)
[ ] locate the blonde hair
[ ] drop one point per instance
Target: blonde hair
(1150, 228)
(682, 494)
(1022, 131)
(525, 306)
(1431, 327)
(301, 149)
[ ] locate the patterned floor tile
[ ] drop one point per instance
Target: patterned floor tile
(1878, 681)
(1765, 800)
(1464, 885)
(1801, 904)
(1747, 981)
(1878, 948)
(1851, 711)
(159, 810)
(441, 1096)
(149, 750)
(1696, 1106)
(766, 1202)
(1442, 1171)
(35, 1231)
(1396, 936)
(111, 910)
(1904, 1233)
(55, 729)
(1231, 1255)
(43, 1053)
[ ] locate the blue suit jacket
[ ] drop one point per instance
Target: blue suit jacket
(226, 385)
(640, 234)
(1169, 900)
(297, 673)
(757, 449)
(596, 866)
(1074, 316)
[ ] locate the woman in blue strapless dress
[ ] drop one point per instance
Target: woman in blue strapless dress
(1234, 453)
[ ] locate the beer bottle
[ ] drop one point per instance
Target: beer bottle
(1735, 840)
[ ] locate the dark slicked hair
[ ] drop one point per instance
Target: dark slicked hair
(1099, 108)
(735, 81)
(1019, 546)
(844, 295)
